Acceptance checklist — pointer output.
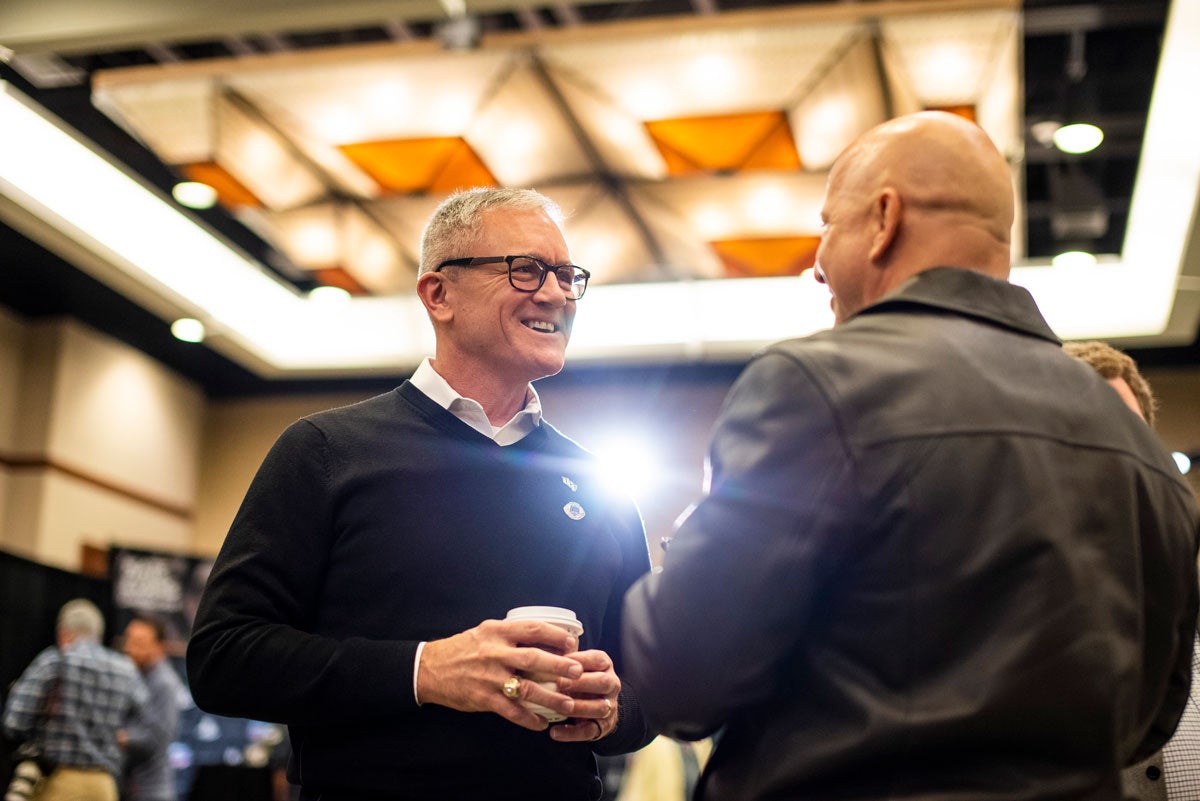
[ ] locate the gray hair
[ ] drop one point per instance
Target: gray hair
(82, 619)
(455, 223)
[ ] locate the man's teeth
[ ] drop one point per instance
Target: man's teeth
(539, 325)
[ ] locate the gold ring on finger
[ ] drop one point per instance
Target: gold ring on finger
(511, 688)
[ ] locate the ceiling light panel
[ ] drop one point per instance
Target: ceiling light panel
(620, 138)
(950, 59)
(389, 95)
(846, 102)
(745, 205)
(262, 160)
(700, 73)
(604, 238)
(174, 117)
(522, 134)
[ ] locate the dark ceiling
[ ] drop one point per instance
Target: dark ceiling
(1096, 58)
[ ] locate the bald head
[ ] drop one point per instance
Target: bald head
(920, 191)
(941, 164)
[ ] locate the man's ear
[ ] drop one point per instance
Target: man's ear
(886, 218)
(431, 289)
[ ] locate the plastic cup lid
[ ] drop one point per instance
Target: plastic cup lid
(550, 614)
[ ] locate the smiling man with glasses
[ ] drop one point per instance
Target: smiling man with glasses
(360, 594)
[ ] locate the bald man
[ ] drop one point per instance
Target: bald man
(933, 561)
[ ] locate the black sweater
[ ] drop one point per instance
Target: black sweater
(375, 526)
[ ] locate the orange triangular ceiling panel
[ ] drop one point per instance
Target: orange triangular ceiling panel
(435, 164)
(751, 258)
(759, 140)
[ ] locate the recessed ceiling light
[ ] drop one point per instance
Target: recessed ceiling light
(329, 294)
(194, 195)
(1074, 258)
(188, 329)
(1079, 137)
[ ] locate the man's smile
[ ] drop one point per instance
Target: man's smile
(543, 326)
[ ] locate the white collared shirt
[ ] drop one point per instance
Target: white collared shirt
(471, 412)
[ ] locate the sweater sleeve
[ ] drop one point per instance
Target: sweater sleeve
(253, 652)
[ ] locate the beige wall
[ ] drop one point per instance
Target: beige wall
(99, 445)
(12, 346)
(237, 436)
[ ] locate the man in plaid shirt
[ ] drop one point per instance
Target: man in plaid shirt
(71, 701)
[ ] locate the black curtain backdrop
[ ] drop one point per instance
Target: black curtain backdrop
(30, 596)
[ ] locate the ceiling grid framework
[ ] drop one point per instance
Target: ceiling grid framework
(334, 146)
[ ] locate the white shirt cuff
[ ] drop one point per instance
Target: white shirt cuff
(416, 667)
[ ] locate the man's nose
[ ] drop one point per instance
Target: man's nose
(551, 291)
(819, 273)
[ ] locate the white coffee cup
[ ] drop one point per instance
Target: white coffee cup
(564, 619)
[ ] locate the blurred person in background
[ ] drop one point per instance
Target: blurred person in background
(149, 776)
(1121, 373)
(70, 704)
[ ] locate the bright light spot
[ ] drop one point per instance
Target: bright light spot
(947, 74)
(1074, 258)
(194, 195)
(389, 93)
(770, 205)
(452, 112)
(520, 137)
(337, 124)
(629, 466)
(328, 294)
(1182, 462)
(317, 240)
(257, 147)
(711, 220)
(646, 100)
(827, 127)
(188, 329)
(385, 107)
(1079, 137)
(713, 73)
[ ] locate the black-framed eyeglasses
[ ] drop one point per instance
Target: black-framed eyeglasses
(527, 274)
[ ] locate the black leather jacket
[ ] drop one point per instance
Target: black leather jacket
(939, 559)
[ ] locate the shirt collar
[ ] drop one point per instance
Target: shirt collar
(471, 412)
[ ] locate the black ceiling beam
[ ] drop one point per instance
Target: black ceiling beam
(1054, 20)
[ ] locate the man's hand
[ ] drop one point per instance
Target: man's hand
(467, 671)
(596, 693)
